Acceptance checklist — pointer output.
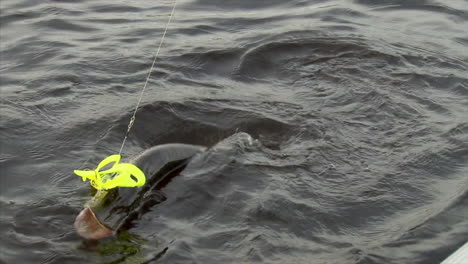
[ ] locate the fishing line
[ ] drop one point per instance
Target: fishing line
(156, 54)
(123, 174)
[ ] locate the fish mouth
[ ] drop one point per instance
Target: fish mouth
(88, 226)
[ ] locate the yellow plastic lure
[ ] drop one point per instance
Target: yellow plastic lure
(119, 175)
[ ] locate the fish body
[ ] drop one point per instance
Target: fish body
(110, 211)
(114, 210)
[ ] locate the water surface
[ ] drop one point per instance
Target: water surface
(359, 108)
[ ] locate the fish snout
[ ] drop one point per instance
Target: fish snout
(88, 225)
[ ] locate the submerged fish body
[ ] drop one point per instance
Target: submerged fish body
(111, 211)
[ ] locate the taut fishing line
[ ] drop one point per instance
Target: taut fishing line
(156, 55)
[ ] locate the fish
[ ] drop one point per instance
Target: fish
(110, 212)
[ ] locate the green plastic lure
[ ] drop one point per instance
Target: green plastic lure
(119, 175)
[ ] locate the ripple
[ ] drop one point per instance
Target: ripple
(245, 4)
(115, 9)
(60, 24)
(6, 19)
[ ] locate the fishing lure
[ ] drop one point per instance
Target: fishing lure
(119, 175)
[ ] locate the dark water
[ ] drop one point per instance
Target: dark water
(360, 109)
